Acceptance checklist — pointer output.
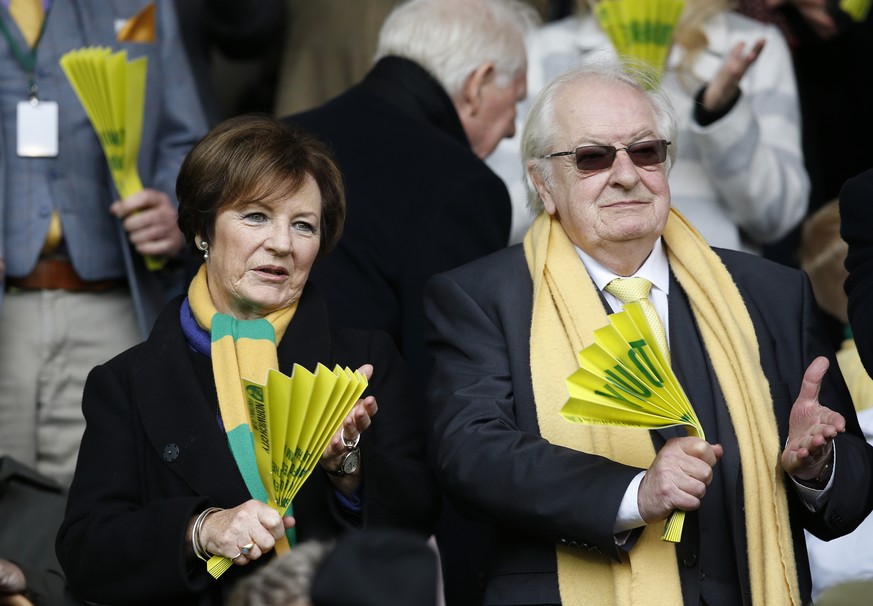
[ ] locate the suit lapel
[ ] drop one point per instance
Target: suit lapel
(178, 418)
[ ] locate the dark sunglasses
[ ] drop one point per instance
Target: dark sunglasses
(600, 157)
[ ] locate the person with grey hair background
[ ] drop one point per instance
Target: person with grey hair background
(578, 510)
(410, 139)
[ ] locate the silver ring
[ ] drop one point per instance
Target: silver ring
(236, 556)
(350, 444)
(246, 549)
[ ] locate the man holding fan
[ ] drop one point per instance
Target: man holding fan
(578, 510)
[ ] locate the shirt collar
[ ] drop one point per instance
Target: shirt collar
(655, 269)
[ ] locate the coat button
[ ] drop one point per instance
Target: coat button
(170, 453)
(690, 560)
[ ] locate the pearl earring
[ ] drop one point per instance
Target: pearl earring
(204, 246)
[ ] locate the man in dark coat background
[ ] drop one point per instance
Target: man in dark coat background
(410, 140)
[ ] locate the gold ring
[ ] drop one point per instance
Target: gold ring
(246, 549)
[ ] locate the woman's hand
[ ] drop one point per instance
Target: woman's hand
(725, 85)
(355, 423)
(243, 533)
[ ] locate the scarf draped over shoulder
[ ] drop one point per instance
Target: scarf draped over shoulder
(567, 309)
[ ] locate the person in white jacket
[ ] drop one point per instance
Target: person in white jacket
(741, 180)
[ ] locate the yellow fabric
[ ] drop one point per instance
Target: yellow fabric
(233, 361)
(140, 27)
(566, 311)
(628, 290)
(859, 382)
(28, 15)
(53, 236)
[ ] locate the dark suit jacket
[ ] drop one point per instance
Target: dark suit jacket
(153, 456)
(856, 228)
(419, 202)
(492, 460)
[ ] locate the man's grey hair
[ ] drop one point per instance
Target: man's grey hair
(540, 130)
(452, 38)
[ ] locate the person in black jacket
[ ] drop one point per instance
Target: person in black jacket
(31, 507)
(856, 228)
(166, 470)
(410, 139)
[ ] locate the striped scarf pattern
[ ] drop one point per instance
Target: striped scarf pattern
(241, 349)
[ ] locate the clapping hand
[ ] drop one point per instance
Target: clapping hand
(811, 427)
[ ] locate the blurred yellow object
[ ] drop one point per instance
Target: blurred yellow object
(140, 27)
(641, 29)
(53, 237)
(624, 380)
(859, 382)
(856, 9)
(28, 16)
(293, 420)
(112, 91)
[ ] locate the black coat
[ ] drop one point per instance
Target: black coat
(856, 228)
(153, 456)
(492, 459)
(419, 202)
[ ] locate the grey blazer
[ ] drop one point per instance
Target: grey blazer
(77, 182)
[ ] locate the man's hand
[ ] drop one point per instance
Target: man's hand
(811, 427)
(11, 578)
(150, 220)
(677, 478)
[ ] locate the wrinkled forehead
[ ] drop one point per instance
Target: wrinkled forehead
(603, 111)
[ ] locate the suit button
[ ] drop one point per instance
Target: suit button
(689, 560)
(170, 453)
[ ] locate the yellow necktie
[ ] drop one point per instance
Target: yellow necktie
(53, 236)
(28, 15)
(628, 290)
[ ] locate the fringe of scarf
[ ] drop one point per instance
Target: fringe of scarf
(566, 311)
(241, 349)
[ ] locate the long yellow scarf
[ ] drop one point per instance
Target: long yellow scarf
(241, 349)
(566, 311)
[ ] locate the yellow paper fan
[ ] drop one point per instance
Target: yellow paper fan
(624, 380)
(293, 420)
(112, 91)
(856, 9)
(641, 29)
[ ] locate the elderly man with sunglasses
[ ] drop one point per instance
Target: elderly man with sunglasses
(578, 510)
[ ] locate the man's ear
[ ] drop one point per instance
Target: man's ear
(539, 182)
(473, 91)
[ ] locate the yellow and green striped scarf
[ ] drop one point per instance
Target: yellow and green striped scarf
(241, 349)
